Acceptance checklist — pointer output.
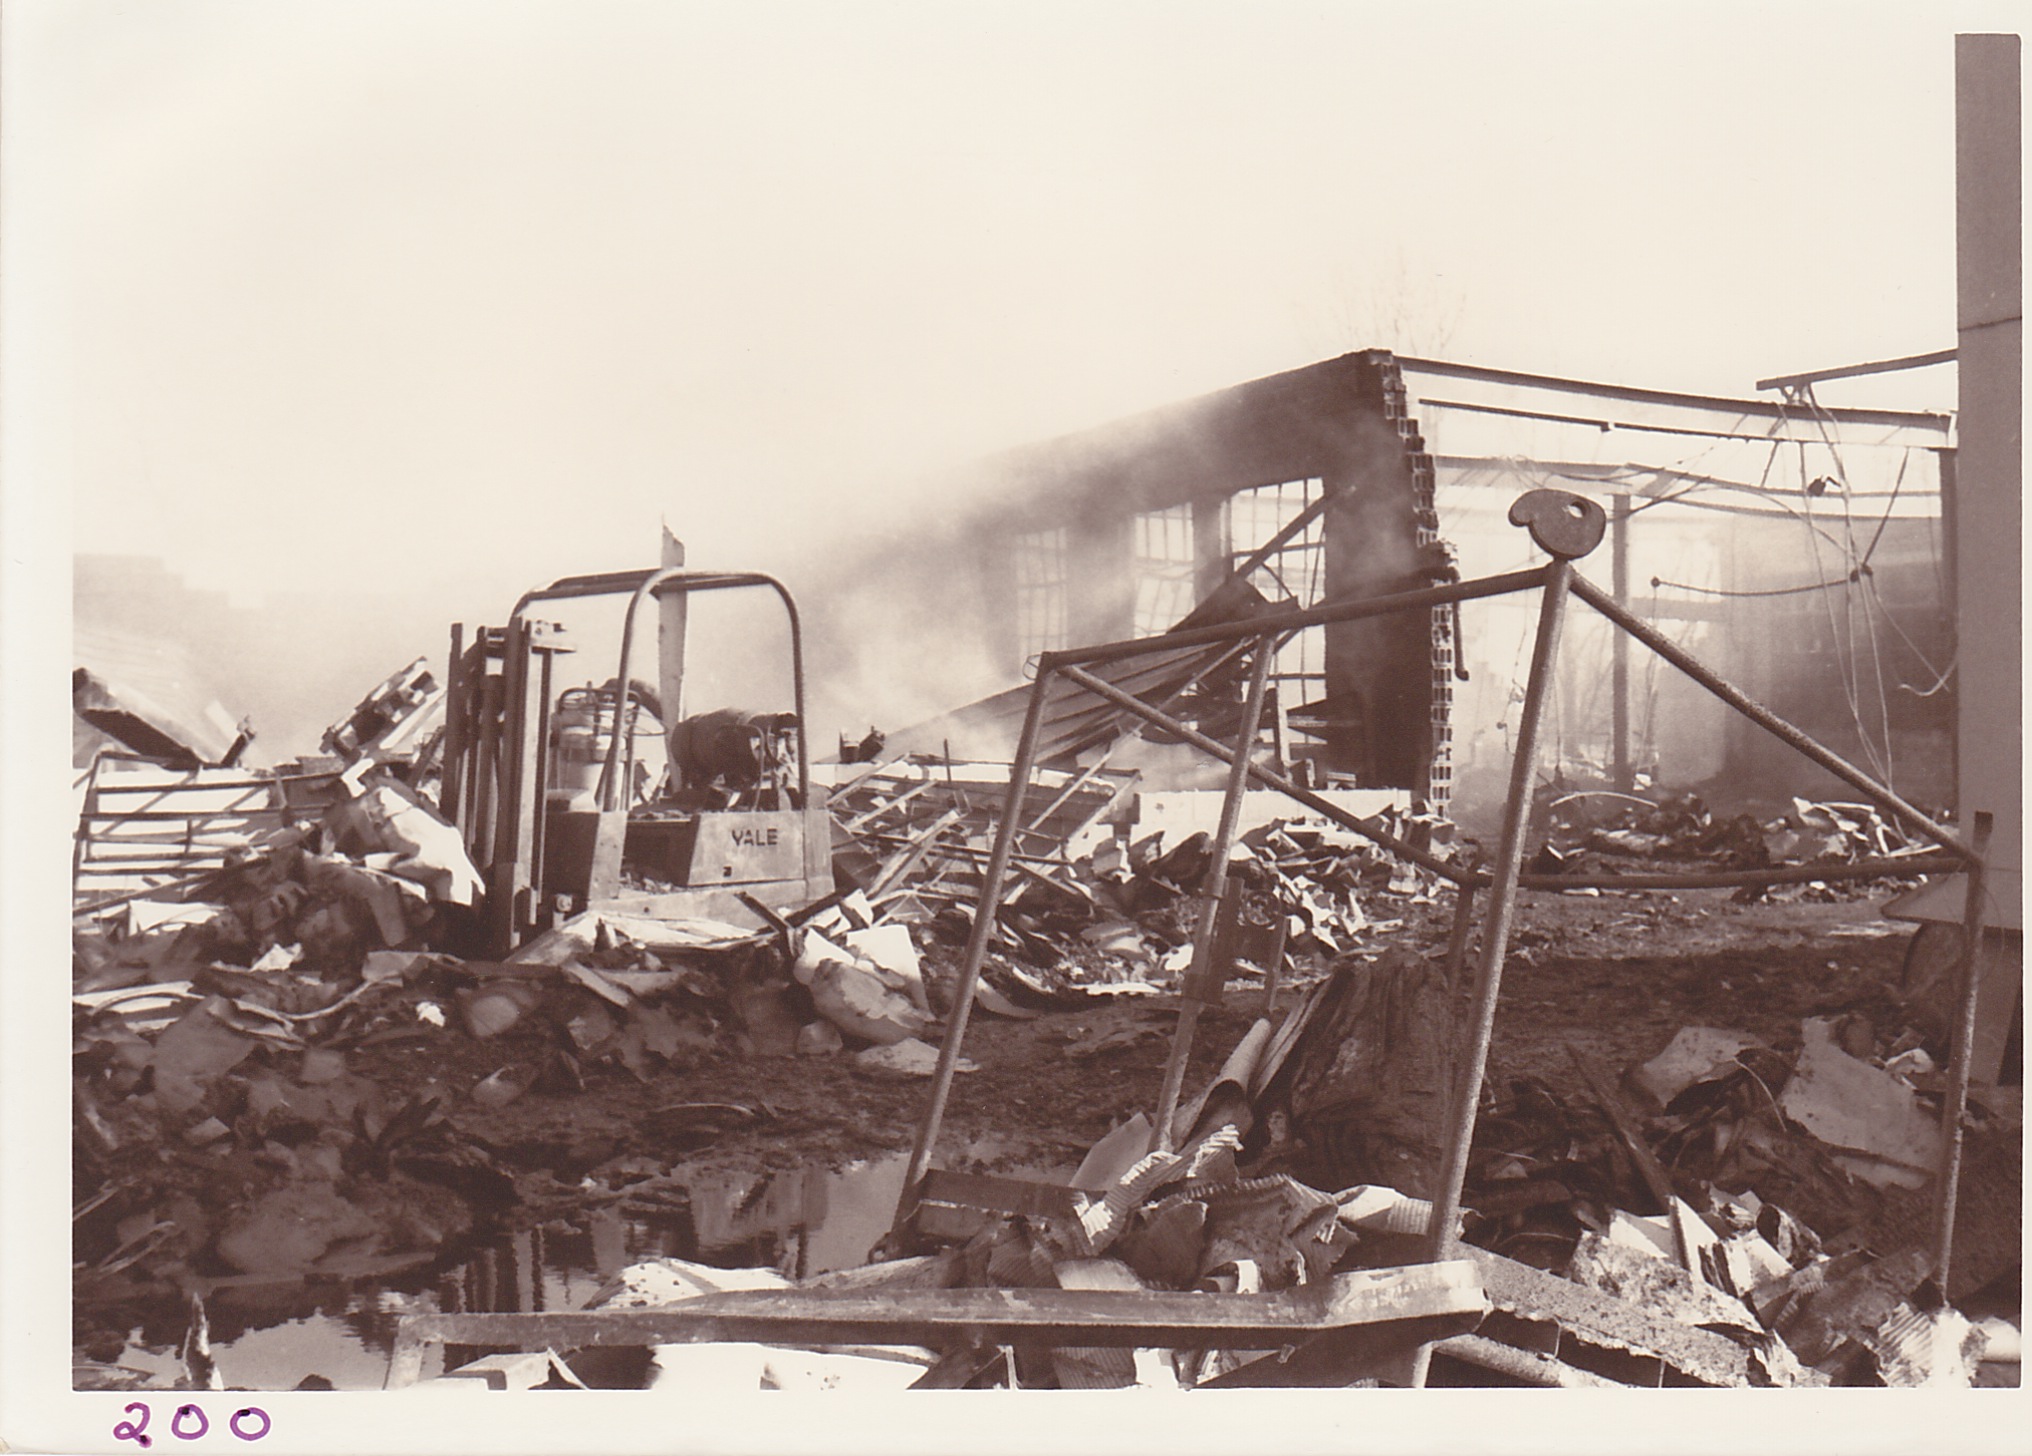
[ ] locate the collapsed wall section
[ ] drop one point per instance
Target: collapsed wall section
(1122, 530)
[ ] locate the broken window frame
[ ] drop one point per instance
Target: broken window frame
(1295, 571)
(1165, 567)
(1043, 598)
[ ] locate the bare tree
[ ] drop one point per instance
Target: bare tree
(1396, 307)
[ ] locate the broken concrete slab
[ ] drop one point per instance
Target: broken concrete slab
(1694, 1054)
(388, 827)
(195, 1049)
(906, 1058)
(1647, 1280)
(819, 1039)
(1695, 1354)
(1872, 1120)
(857, 996)
(890, 948)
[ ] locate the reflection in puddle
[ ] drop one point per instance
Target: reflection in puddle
(276, 1335)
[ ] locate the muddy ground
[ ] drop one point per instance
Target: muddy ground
(1613, 975)
(1587, 970)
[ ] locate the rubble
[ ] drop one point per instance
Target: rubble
(1725, 1214)
(1865, 1112)
(1592, 829)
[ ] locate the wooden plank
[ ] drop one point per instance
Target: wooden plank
(904, 863)
(1648, 1167)
(118, 783)
(81, 838)
(144, 868)
(854, 825)
(945, 1317)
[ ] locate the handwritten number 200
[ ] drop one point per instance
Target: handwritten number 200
(241, 1424)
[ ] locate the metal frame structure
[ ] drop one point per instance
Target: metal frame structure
(673, 580)
(1566, 527)
(497, 734)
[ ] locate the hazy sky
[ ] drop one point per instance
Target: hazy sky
(300, 296)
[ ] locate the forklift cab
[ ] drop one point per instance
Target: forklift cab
(583, 798)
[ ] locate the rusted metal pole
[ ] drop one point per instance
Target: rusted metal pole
(1292, 621)
(1619, 567)
(1444, 1231)
(1128, 702)
(1952, 1114)
(977, 943)
(1463, 932)
(1523, 1365)
(1881, 795)
(1212, 889)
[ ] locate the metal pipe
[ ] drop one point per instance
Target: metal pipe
(1444, 1231)
(620, 583)
(1502, 901)
(1212, 889)
(985, 910)
(1463, 932)
(1520, 1364)
(1882, 796)
(1952, 1114)
(1294, 620)
(1102, 688)
(1806, 874)
(1619, 565)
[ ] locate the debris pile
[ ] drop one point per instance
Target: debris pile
(914, 834)
(1585, 829)
(1733, 1214)
(1119, 919)
(285, 1067)
(1782, 1195)
(1667, 1230)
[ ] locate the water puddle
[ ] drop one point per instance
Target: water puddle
(282, 1335)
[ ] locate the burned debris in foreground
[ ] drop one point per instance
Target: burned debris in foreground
(1324, 1092)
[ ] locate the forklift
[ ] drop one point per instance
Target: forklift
(573, 798)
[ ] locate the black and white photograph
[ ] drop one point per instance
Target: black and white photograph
(1245, 707)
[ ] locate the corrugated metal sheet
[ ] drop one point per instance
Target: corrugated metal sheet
(150, 685)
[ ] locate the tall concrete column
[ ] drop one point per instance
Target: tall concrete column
(1988, 474)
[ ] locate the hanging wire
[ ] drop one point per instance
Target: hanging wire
(1775, 591)
(1841, 629)
(1847, 634)
(1862, 566)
